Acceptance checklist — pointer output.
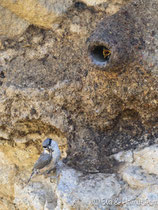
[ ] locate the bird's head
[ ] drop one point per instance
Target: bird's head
(50, 144)
(52, 147)
(47, 144)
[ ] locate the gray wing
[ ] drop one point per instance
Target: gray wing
(42, 161)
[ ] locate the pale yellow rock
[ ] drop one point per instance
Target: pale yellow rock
(1, 46)
(113, 8)
(147, 158)
(7, 171)
(75, 28)
(94, 2)
(6, 56)
(16, 165)
(10, 24)
(38, 12)
(4, 134)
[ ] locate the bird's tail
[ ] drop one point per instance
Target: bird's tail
(30, 177)
(34, 172)
(26, 183)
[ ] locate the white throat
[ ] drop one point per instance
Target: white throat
(46, 151)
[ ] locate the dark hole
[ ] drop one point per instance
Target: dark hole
(33, 111)
(100, 54)
(80, 5)
(2, 74)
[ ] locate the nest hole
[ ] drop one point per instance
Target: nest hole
(100, 55)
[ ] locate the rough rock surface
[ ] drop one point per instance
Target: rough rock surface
(10, 24)
(131, 188)
(42, 84)
(50, 89)
(15, 16)
(39, 12)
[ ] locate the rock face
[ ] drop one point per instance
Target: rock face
(96, 107)
(10, 24)
(132, 41)
(38, 12)
(132, 188)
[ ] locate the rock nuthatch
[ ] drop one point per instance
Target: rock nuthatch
(48, 159)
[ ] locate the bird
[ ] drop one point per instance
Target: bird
(106, 53)
(48, 159)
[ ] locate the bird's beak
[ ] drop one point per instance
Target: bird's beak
(49, 149)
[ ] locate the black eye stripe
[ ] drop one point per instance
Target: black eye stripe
(50, 142)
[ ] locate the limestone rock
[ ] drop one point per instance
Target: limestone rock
(94, 2)
(124, 156)
(27, 197)
(150, 196)
(10, 24)
(73, 189)
(137, 178)
(148, 159)
(111, 7)
(80, 191)
(49, 81)
(38, 12)
(50, 89)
